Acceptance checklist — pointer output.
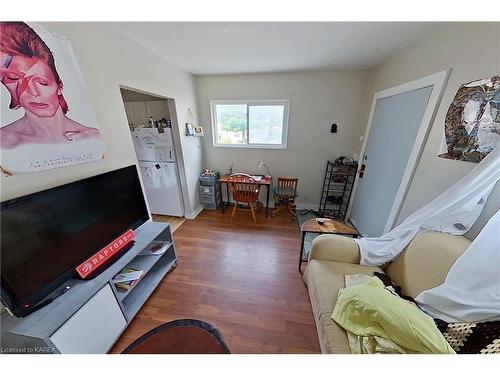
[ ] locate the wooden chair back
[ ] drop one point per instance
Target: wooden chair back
(287, 188)
(243, 187)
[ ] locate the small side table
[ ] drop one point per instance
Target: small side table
(330, 226)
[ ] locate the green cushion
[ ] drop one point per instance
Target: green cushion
(368, 309)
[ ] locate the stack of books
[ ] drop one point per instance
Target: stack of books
(127, 278)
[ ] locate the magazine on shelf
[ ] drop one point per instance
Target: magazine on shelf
(155, 248)
(126, 285)
(127, 278)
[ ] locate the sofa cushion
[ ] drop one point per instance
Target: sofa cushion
(426, 261)
(324, 279)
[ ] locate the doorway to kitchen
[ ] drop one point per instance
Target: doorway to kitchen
(153, 135)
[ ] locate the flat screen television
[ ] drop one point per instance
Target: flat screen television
(45, 235)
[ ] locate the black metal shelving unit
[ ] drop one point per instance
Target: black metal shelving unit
(337, 189)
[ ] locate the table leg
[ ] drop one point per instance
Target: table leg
(267, 199)
(221, 200)
(227, 194)
(302, 249)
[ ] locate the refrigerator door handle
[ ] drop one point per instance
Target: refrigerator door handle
(170, 153)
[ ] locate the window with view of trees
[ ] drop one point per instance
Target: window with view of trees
(248, 123)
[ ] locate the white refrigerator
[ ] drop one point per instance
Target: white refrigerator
(155, 152)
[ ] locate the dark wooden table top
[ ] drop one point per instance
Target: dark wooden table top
(178, 340)
(330, 226)
(265, 180)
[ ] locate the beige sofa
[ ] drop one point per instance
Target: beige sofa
(424, 264)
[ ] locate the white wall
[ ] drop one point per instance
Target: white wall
(472, 51)
(316, 101)
(108, 60)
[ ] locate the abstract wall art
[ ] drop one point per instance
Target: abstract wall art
(472, 124)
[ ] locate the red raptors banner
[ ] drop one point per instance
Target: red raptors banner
(100, 258)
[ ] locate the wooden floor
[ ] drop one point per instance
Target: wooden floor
(174, 221)
(239, 276)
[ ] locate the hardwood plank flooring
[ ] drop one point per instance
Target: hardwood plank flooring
(239, 276)
(174, 221)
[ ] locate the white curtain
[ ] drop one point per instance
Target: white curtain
(454, 212)
(471, 290)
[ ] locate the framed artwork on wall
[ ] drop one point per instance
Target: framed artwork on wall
(472, 124)
(189, 129)
(198, 131)
(47, 120)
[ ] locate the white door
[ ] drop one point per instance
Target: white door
(94, 328)
(162, 188)
(396, 131)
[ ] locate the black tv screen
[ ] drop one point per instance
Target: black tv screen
(45, 235)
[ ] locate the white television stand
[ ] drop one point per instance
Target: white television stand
(92, 314)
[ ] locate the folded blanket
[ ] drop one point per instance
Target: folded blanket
(368, 309)
(371, 344)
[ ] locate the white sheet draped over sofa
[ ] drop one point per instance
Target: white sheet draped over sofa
(454, 212)
(471, 290)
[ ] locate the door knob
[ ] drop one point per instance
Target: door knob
(361, 171)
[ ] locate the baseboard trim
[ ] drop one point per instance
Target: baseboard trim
(300, 206)
(192, 215)
(307, 206)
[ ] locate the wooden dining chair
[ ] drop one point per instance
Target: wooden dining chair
(285, 194)
(244, 189)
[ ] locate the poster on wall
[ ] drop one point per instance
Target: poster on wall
(472, 124)
(46, 118)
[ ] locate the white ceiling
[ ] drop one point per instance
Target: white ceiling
(259, 47)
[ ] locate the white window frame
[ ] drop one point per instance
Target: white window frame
(282, 146)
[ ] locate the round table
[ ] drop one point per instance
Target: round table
(183, 336)
(330, 226)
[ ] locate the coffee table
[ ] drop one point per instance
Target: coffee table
(183, 336)
(330, 226)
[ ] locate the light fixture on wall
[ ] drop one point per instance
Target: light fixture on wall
(264, 165)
